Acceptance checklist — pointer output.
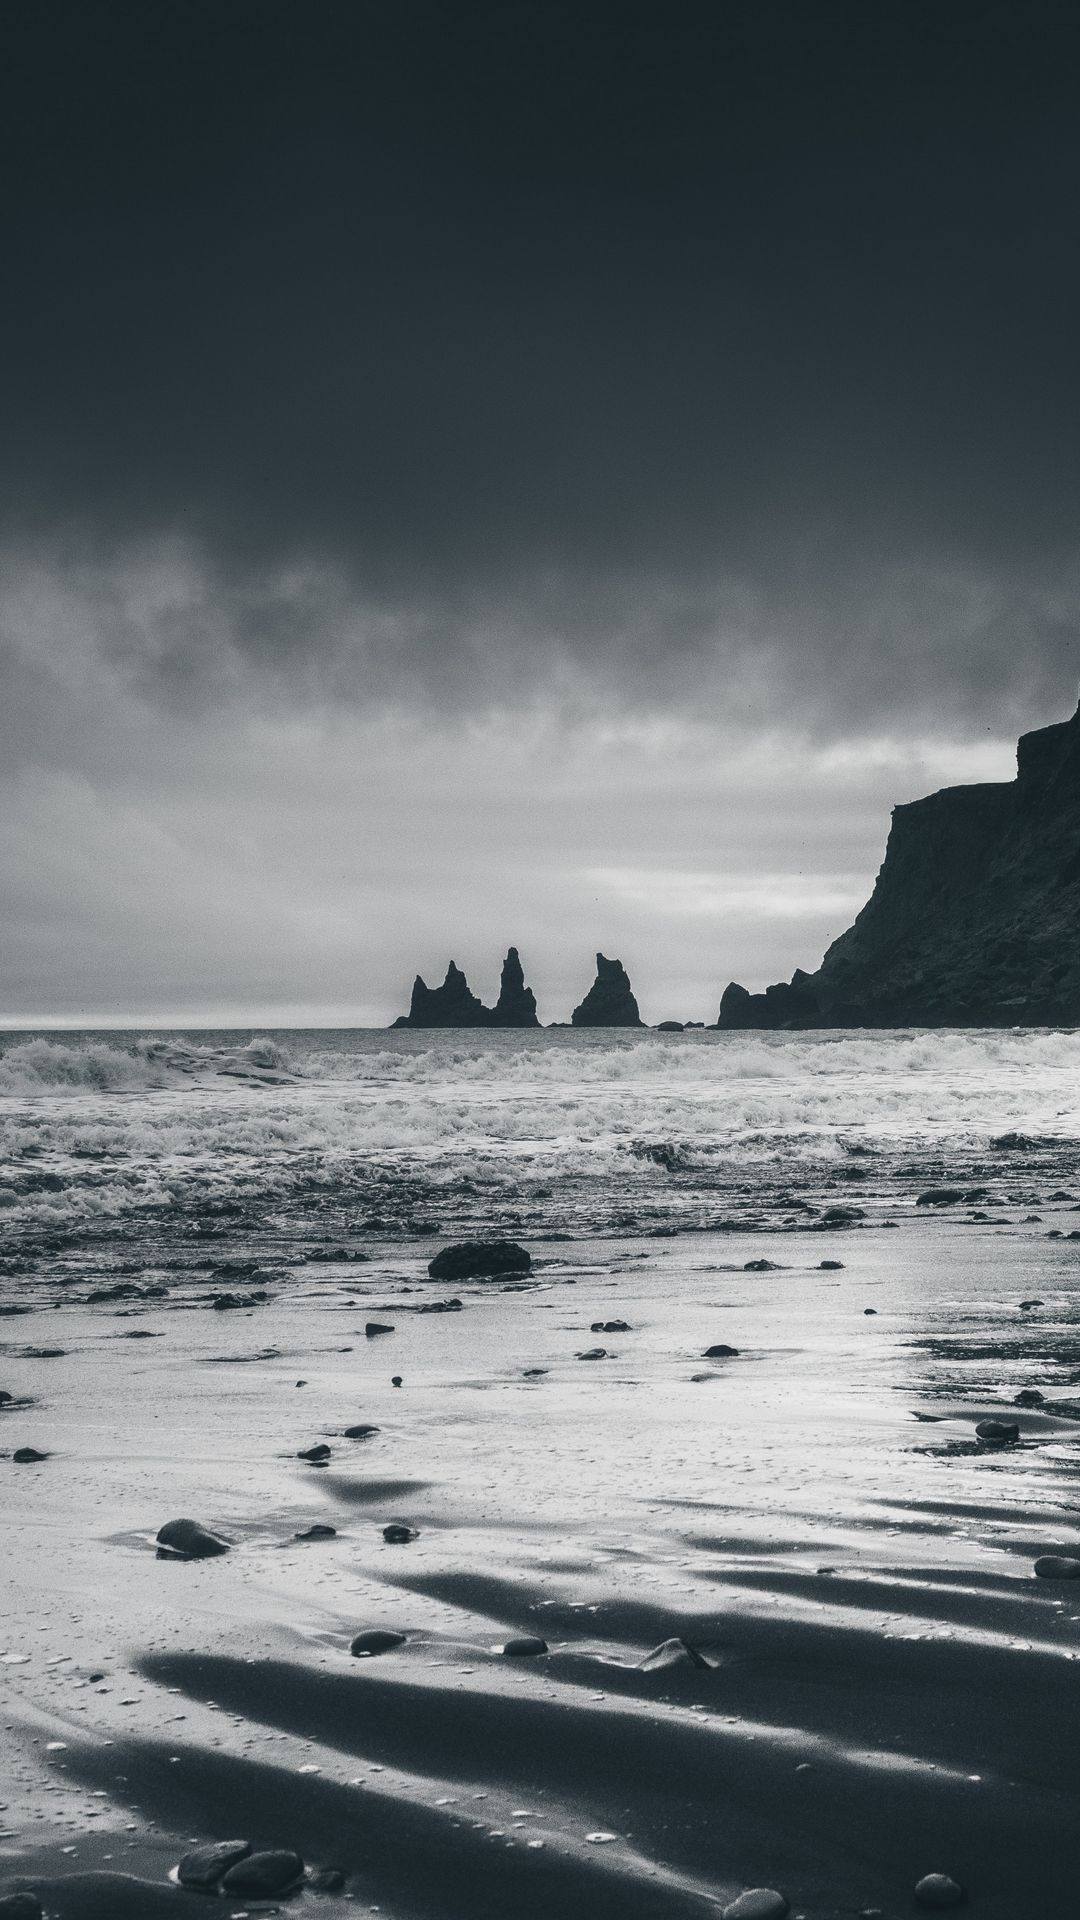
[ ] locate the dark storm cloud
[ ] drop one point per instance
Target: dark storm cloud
(557, 338)
(547, 473)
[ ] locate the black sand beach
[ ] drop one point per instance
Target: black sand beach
(862, 1681)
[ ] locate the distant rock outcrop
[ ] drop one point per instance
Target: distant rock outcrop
(609, 1001)
(516, 1004)
(974, 919)
(451, 1005)
(454, 1005)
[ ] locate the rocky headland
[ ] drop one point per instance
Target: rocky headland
(975, 915)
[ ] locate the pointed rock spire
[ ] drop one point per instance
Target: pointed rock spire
(451, 1005)
(516, 1005)
(610, 1001)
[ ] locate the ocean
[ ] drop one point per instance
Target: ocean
(115, 1137)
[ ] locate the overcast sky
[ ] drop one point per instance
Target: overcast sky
(540, 473)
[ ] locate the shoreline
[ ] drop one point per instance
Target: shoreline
(865, 1578)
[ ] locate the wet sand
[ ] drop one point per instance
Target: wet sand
(888, 1690)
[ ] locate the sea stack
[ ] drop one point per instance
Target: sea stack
(451, 1005)
(610, 1001)
(454, 1005)
(975, 915)
(516, 1004)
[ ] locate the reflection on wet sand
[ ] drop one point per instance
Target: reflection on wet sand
(780, 1618)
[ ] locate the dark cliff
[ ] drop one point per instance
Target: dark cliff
(454, 1005)
(975, 915)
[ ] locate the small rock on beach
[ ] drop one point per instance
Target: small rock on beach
(264, 1874)
(188, 1540)
(757, 1903)
(939, 1892)
(1057, 1566)
(203, 1866)
(375, 1640)
(673, 1653)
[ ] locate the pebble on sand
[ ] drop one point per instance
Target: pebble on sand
(479, 1260)
(264, 1874)
(187, 1540)
(760, 1266)
(204, 1866)
(397, 1535)
(20, 1906)
(673, 1653)
(319, 1452)
(5, 1397)
(720, 1352)
(326, 1880)
(757, 1903)
(939, 1891)
(319, 1531)
(998, 1433)
(1029, 1397)
(610, 1326)
(27, 1456)
(592, 1353)
(375, 1640)
(525, 1647)
(375, 1327)
(362, 1432)
(1057, 1566)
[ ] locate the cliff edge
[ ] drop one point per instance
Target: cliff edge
(975, 915)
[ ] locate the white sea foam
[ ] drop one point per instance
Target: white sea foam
(146, 1121)
(40, 1064)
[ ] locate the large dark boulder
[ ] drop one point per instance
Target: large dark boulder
(610, 1001)
(516, 1004)
(480, 1260)
(188, 1540)
(451, 1005)
(975, 915)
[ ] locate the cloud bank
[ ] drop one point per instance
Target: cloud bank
(515, 473)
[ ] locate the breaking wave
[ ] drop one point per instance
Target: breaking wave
(99, 1129)
(39, 1065)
